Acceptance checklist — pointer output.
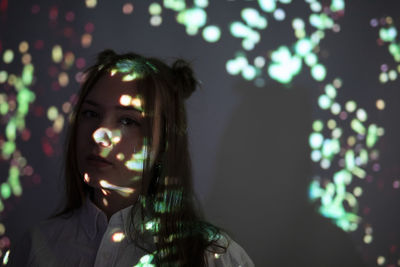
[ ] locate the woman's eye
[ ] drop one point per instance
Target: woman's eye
(90, 114)
(129, 121)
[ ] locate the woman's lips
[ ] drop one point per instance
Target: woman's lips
(98, 161)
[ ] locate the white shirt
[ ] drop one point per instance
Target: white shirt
(85, 238)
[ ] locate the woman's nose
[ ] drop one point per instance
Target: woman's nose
(104, 137)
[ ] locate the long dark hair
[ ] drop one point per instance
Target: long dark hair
(181, 236)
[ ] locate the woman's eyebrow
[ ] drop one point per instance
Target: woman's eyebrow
(120, 107)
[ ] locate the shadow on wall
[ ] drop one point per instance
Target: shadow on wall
(262, 176)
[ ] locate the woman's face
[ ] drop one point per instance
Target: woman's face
(110, 142)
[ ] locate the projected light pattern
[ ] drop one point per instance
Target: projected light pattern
(388, 34)
(344, 139)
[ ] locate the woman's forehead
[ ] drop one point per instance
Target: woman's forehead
(109, 89)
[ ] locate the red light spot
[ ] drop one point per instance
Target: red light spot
(68, 32)
(47, 149)
(80, 63)
(35, 9)
(38, 111)
(36, 179)
(89, 27)
(3, 5)
(53, 14)
(55, 86)
(25, 135)
(70, 16)
(366, 210)
(39, 44)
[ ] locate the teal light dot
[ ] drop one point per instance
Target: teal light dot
(249, 73)
(253, 18)
(316, 140)
(316, 7)
(324, 102)
(337, 5)
(316, 155)
(267, 5)
(201, 3)
(362, 114)
(279, 14)
(303, 47)
(335, 108)
(318, 72)
(211, 33)
(311, 59)
(298, 24)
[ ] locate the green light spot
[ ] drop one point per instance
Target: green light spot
(5, 190)
(321, 21)
(318, 126)
(298, 24)
(372, 136)
(350, 160)
(357, 126)
(350, 106)
(145, 261)
(201, 3)
(3, 108)
(211, 34)
(8, 149)
(267, 5)
(324, 102)
(316, 155)
(337, 5)
(330, 91)
(362, 115)
(303, 47)
(57, 54)
(335, 108)
(253, 18)
(8, 56)
(11, 129)
(193, 19)
(316, 140)
(249, 72)
(3, 76)
(52, 113)
(388, 35)
(394, 49)
(316, 7)
(155, 9)
(318, 72)
(27, 74)
(311, 59)
(279, 14)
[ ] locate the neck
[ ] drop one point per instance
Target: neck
(112, 202)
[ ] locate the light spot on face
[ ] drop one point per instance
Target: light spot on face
(123, 191)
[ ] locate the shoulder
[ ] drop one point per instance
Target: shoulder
(38, 240)
(234, 255)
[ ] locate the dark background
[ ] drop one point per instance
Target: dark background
(249, 142)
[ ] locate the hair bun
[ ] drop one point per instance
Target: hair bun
(106, 56)
(184, 76)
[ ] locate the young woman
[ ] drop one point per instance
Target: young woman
(129, 198)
